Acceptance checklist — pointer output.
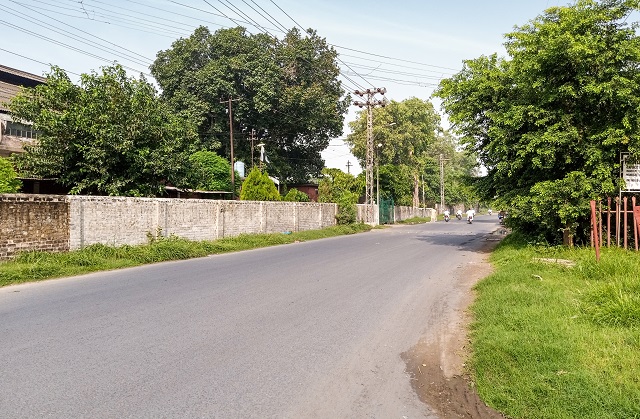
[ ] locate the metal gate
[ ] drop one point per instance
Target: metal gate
(386, 215)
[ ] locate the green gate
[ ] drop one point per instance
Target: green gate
(386, 215)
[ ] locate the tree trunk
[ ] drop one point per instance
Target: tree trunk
(567, 237)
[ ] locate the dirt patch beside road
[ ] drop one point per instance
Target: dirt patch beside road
(437, 367)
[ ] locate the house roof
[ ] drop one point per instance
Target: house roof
(7, 91)
(28, 78)
(11, 80)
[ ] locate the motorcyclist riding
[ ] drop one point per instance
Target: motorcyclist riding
(470, 215)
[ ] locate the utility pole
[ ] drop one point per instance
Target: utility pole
(442, 160)
(252, 139)
(370, 103)
(233, 181)
(378, 174)
(349, 166)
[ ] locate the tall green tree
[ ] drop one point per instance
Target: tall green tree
(286, 90)
(109, 135)
(560, 108)
(9, 183)
(403, 135)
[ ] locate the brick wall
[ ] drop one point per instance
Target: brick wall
(33, 222)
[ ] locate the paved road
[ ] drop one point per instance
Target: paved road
(307, 330)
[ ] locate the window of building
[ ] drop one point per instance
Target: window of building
(17, 129)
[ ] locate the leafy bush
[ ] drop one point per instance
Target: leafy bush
(211, 172)
(259, 187)
(295, 195)
(8, 181)
(347, 209)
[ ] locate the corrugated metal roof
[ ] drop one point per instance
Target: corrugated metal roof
(22, 74)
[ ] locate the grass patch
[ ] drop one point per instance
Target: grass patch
(415, 220)
(551, 341)
(36, 266)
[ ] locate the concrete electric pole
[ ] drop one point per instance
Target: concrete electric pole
(230, 111)
(370, 102)
(442, 160)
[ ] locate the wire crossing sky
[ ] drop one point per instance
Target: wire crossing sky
(407, 47)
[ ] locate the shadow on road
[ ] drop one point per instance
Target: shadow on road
(481, 236)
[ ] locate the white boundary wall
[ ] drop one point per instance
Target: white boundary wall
(400, 213)
(125, 220)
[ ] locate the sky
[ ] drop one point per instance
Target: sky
(405, 46)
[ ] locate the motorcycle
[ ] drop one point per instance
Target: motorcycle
(447, 218)
(470, 219)
(459, 216)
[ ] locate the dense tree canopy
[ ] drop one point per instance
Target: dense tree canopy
(110, 135)
(286, 90)
(550, 121)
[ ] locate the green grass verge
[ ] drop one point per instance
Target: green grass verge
(36, 266)
(551, 341)
(414, 220)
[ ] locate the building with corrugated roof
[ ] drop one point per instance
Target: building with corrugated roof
(14, 134)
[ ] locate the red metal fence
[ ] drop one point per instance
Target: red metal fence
(617, 224)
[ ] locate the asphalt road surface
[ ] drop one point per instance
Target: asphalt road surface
(306, 330)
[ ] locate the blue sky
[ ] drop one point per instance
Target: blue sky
(405, 46)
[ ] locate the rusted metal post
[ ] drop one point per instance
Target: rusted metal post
(618, 221)
(635, 222)
(591, 241)
(608, 221)
(600, 222)
(636, 217)
(594, 228)
(624, 200)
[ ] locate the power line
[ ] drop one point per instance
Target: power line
(34, 60)
(397, 59)
(338, 58)
(85, 40)
(160, 31)
(274, 20)
(69, 47)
